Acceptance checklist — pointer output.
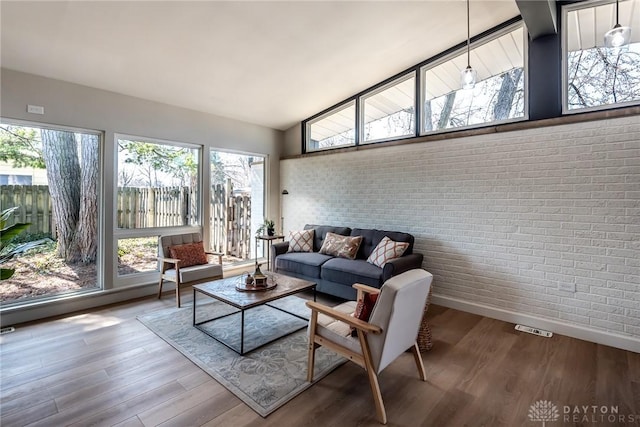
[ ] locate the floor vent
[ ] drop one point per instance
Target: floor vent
(7, 330)
(534, 331)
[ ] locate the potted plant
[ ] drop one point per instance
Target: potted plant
(268, 226)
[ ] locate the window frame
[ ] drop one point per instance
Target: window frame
(476, 41)
(360, 119)
(482, 40)
(102, 284)
(131, 279)
(564, 34)
(306, 125)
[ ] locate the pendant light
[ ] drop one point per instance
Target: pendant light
(468, 75)
(618, 36)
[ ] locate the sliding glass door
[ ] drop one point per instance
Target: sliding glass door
(237, 204)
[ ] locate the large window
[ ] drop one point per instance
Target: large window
(157, 184)
(389, 112)
(498, 95)
(158, 192)
(595, 76)
(336, 128)
(52, 187)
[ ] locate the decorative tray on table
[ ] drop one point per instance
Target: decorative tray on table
(264, 284)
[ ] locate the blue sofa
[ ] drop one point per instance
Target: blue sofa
(334, 275)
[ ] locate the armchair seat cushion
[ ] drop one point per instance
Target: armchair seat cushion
(304, 263)
(196, 272)
(336, 330)
(348, 272)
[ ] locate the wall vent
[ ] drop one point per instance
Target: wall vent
(534, 331)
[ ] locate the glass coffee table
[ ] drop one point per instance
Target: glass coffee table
(224, 290)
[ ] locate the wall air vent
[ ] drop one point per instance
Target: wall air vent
(534, 331)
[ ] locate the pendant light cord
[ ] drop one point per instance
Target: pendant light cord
(617, 12)
(469, 37)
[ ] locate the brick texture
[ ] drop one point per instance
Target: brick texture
(507, 220)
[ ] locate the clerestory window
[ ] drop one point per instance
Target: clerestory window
(595, 76)
(336, 128)
(498, 96)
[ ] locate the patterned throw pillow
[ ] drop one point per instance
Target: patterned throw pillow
(341, 246)
(364, 309)
(301, 241)
(386, 250)
(189, 254)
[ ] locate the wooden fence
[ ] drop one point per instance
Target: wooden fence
(34, 206)
(138, 207)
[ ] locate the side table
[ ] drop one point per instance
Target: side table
(268, 239)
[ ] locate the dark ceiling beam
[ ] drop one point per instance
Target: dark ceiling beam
(539, 16)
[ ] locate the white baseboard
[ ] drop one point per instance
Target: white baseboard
(624, 342)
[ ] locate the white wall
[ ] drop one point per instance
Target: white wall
(505, 221)
(72, 105)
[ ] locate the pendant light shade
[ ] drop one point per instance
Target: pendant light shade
(618, 36)
(468, 78)
(468, 75)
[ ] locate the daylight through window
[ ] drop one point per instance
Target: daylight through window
(597, 76)
(498, 95)
(336, 128)
(157, 184)
(389, 112)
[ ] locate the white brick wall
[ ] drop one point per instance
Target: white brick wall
(502, 220)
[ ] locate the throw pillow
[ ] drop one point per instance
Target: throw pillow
(341, 246)
(364, 309)
(189, 254)
(385, 251)
(301, 241)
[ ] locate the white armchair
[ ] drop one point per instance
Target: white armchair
(392, 328)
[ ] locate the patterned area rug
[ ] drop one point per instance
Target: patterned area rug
(264, 379)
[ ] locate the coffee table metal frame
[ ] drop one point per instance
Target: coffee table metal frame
(286, 286)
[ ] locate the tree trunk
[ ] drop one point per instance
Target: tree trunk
(60, 153)
(86, 237)
(506, 93)
(426, 118)
(446, 110)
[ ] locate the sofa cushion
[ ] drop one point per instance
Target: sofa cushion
(371, 238)
(387, 250)
(341, 246)
(350, 271)
(301, 241)
(321, 232)
(303, 263)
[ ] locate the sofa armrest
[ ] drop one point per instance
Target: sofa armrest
(400, 265)
(277, 249)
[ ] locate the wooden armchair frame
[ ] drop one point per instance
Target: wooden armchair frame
(364, 358)
(168, 264)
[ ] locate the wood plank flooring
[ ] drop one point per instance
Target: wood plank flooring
(105, 368)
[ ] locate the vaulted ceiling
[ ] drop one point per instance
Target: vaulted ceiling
(264, 62)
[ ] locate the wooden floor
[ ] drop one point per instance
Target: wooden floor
(106, 368)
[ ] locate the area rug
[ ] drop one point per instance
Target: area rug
(264, 379)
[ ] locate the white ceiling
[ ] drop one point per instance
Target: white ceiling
(265, 62)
